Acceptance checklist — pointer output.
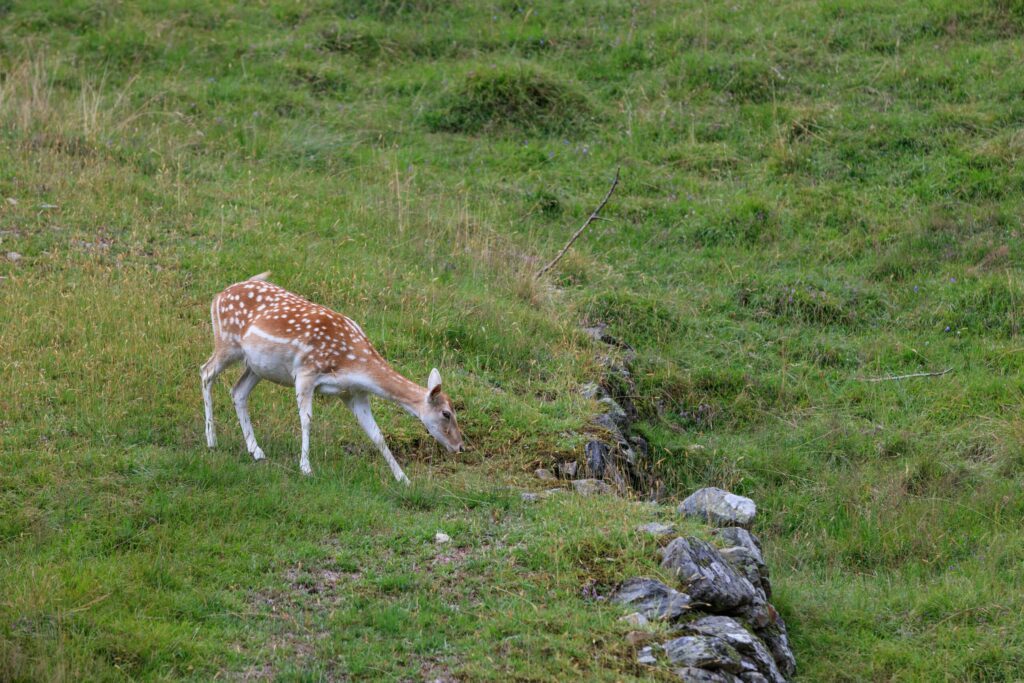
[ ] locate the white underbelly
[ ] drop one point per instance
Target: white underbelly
(273, 362)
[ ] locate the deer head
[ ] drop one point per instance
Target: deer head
(438, 416)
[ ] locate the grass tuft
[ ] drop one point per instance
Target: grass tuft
(508, 99)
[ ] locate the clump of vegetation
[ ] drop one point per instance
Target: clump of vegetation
(511, 98)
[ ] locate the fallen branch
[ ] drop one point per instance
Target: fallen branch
(593, 216)
(897, 377)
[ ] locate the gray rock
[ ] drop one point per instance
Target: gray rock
(719, 507)
(567, 469)
(606, 421)
(753, 677)
(652, 599)
(746, 563)
(641, 446)
(755, 652)
(706, 576)
(592, 390)
(777, 640)
(532, 497)
(597, 458)
(544, 474)
(636, 618)
(759, 614)
(615, 413)
(703, 652)
(738, 536)
(13, 256)
(590, 487)
(657, 529)
(646, 656)
(690, 674)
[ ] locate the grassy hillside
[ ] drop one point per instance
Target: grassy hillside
(813, 194)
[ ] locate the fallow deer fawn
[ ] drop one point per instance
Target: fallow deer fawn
(291, 341)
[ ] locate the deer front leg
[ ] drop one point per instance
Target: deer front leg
(304, 395)
(211, 368)
(359, 404)
(240, 397)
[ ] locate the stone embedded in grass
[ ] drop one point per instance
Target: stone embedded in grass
(646, 656)
(518, 97)
(636, 619)
(749, 646)
(592, 390)
(704, 652)
(657, 529)
(441, 537)
(706, 576)
(652, 599)
(590, 487)
(13, 256)
(544, 474)
(531, 497)
(691, 674)
(718, 507)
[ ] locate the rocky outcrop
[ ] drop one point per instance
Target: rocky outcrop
(613, 454)
(706, 577)
(724, 626)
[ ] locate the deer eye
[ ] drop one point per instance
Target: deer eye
(446, 415)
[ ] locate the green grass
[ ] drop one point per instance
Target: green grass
(812, 193)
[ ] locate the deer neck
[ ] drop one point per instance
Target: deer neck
(393, 386)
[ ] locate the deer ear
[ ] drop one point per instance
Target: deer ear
(434, 382)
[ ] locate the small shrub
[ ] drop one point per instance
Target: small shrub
(510, 98)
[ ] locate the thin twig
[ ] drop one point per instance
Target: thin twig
(593, 216)
(895, 377)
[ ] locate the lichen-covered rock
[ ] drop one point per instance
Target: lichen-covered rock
(592, 390)
(719, 507)
(590, 487)
(704, 652)
(615, 413)
(756, 654)
(635, 619)
(657, 529)
(776, 638)
(646, 656)
(652, 599)
(691, 674)
(746, 563)
(706, 576)
(732, 536)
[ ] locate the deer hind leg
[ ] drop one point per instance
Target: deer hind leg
(240, 397)
(359, 404)
(304, 396)
(216, 364)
